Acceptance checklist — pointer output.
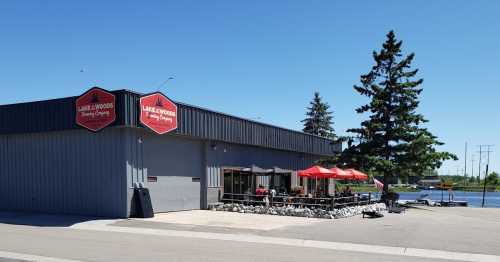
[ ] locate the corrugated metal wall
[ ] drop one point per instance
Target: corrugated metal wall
(215, 126)
(59, 114)
(73, 172)
(211, 125)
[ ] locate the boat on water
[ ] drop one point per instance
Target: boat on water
(422, 200)
(425, 200)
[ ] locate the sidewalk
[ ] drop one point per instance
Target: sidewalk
(452, 229)
(435, 234)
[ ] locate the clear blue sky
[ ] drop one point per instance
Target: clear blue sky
(261, 59)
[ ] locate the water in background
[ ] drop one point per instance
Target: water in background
(492, 199)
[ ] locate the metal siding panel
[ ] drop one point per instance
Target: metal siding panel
(215, 177)
(46, 173)
(63, 140)
(200, 124)
(214, 127)
(185, 114)
(4, 167)
(220, 129)
(214, 180)
(11, 182)
(210, 126)
(227, 130)
(194, 122)
(190, 129)
(10, 179)
(3, 144)
(210, 178)
(21, 168)
(206, 126)
(208, 171)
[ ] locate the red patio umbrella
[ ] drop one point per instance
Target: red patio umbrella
(341, 174)
(358, 175)
(316, 172)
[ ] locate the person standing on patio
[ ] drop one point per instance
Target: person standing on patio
(272, 192)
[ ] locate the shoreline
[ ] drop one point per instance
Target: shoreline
(373, 189)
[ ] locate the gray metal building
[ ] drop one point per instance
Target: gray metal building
(50, 164)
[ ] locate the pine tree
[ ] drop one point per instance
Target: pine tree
(319, 120)
(391, 140)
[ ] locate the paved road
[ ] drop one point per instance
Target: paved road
(470, 230)
(85, 245)
(12, 260)
(49, 238)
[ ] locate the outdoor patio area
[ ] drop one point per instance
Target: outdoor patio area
(269, 191)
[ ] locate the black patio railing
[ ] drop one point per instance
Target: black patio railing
(327, 203)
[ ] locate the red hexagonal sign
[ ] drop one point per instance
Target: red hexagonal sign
(95, 109)
(158, 113)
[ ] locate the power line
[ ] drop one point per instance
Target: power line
(481, 152)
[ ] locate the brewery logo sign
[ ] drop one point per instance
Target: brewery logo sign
(158, 113)
(95, 109)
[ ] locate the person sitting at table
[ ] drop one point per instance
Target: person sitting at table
(260, 191)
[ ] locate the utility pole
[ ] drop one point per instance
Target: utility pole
(480, 161)
(465, 167)
(472, 166)
(487, 167)
(480, 154)
(486, 174)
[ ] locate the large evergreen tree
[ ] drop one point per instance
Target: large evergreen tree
(392, 140)
(319, 120)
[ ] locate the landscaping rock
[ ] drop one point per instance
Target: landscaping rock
(301, 212)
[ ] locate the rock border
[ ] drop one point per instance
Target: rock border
(300, 212)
